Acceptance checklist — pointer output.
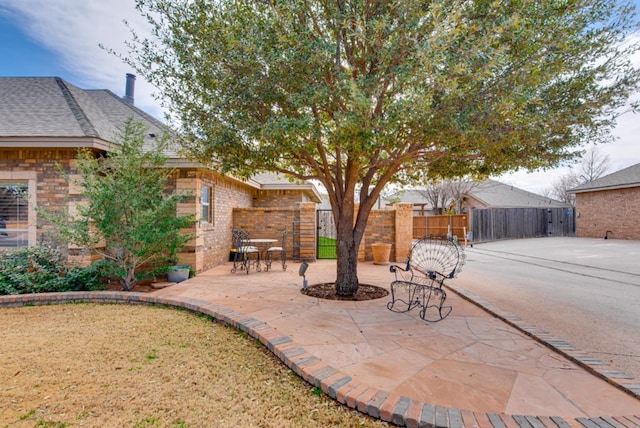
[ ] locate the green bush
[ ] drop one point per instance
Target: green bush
(85, 278)
(42, 269)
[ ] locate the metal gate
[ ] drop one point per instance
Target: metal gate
(327, 235)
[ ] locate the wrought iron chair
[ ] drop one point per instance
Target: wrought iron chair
(432, 260)
(272, 251)
(243, 253)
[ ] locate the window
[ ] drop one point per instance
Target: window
(14, 214)
(205, 202)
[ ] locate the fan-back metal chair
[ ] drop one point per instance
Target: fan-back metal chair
(243, 253)
(432, 260)
(273, 251)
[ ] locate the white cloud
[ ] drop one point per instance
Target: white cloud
(74, 29)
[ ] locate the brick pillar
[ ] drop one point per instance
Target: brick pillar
(404, 231)
(307, 232)
(192, 252)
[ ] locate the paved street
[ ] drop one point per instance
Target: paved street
(583, 291)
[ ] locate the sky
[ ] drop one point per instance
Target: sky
(61, 38)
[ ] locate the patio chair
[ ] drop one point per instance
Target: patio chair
(243, 254)
(273, 251)
(432, 260)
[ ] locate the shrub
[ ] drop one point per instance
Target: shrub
(85, 278)
(42, 269)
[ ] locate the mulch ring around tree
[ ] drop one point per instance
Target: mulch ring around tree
(328, 291)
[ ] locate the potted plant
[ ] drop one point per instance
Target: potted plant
(178, 273)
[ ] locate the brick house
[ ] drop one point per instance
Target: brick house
(44, 120)
(609, 206)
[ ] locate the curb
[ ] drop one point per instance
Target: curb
(392, 408)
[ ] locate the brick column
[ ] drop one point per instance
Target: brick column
(307, 232)
(192, 252)
(404, 231)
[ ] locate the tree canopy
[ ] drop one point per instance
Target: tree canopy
(360, 93)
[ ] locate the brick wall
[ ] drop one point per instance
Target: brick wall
(235, 205)
(266, 223)
(380, 229)
(389, 226)
(212, 239)
(39, 168)
(608, 210)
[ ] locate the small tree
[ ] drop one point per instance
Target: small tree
(458, 189)
(128, 217)
(594, 164)
(436, 195)
(562, 185)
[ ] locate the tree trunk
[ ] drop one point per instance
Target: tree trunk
(128, 281)
(347, 256)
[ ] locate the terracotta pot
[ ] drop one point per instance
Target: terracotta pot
(381, 253)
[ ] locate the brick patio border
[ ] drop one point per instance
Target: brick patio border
(393, 408)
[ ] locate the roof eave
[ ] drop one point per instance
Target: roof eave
(603, 188)
(305, 187)
(173, 162)
(56, 143)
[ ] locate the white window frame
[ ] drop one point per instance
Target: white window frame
(30, 178)
(206, 196)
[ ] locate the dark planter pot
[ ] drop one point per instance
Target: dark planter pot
(178, 273)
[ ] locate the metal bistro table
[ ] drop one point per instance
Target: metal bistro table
(262, 244)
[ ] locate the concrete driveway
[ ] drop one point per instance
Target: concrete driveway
(583, 291)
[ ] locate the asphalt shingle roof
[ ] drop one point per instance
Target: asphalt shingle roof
(627, 177)
(500, 195)
(52, 107)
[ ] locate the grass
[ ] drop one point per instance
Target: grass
(143, 366)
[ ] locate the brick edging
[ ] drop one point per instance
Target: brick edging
(393, 408)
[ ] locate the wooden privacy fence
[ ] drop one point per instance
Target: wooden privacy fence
(509, 223)
(455, 224)
(494, 224)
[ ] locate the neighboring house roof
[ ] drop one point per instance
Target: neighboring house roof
(494, 194)
(488, 194)
(410, 196)
(623, 179)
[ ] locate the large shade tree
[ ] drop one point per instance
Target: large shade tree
(360, 93)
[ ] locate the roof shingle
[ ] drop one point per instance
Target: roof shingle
(52, 107)
(627, 177)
